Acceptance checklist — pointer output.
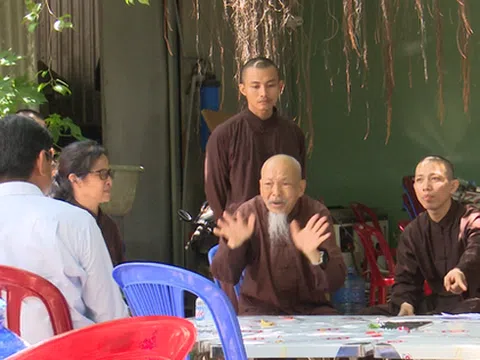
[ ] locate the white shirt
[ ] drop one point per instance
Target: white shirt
(63, 244)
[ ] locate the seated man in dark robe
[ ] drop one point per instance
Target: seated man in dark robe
(441, 246)
(285, 242)
(237, 148)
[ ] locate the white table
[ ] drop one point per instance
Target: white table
(349, 336)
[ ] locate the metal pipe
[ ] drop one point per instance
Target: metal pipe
(174, 116)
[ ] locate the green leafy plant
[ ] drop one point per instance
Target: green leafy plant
(21, 91)
(132, 2)
(16, 91)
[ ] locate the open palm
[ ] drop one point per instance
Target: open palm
(235, 229)
(308, 239)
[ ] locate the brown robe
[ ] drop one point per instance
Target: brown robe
(112, 236)
(279, 279)
(236, 151)
(428, 251)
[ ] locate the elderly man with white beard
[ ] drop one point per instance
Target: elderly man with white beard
(285, 242)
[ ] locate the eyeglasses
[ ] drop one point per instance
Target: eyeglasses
(104, 174)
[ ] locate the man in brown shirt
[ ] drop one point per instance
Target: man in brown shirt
(237, 149)
(441, 246)
(285, 242)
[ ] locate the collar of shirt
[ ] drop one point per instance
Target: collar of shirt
(449, 217)
(260, 125)
(19, 188)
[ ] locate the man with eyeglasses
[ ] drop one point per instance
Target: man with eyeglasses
(58, 241)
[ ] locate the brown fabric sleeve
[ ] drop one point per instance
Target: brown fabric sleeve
(217, 182)
(228, 264)
(469, 262)
(303, 153)
(408, 285)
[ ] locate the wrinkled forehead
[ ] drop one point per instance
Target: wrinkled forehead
(280, 172)
(430, 167)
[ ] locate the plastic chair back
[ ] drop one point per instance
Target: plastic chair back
(366, 234)
(20, 284)
(402, 224)
(154, 288)
(363, 214)
(415, 206)
(377, 279)
(211, 254)
(152, 337)
(407, 206)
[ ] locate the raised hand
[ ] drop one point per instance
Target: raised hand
(455, 281)
(308, 239)
(235, 229)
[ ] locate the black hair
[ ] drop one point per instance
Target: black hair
(260, 63)
(22, 140)
(77, 158)
(447, 163)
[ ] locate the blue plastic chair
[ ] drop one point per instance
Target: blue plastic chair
(211, 254)
(157, 289)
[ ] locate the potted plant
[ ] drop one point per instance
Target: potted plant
(23, 92)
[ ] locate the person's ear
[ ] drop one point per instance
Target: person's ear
(43, 164)
(455, 184)
(73, 178)
(241, 87)
(303, 186)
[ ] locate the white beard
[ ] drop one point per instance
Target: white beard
(278, 229)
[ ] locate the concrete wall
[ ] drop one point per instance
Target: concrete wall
(135, 123)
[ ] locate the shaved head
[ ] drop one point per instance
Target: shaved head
(286, 162)
(258, 63)
(449, 170)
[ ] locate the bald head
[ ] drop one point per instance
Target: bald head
(283, 162)
(281, 183)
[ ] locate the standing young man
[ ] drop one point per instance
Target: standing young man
(237, 149)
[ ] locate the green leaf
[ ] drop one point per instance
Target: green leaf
(9, 58)
(132, 2)
(63, 127)
(62, 89)
(41, 86)
(32, 27)
(60, 81)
